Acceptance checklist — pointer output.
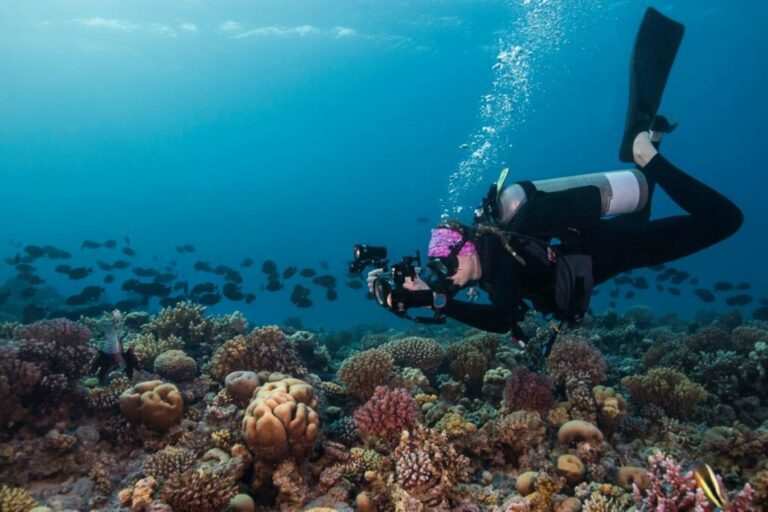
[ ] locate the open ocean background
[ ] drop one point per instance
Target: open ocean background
(291, 130)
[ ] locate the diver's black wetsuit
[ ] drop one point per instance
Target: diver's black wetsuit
(618, 244)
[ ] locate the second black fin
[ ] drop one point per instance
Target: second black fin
(654, 53)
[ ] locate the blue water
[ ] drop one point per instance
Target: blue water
(290, 130)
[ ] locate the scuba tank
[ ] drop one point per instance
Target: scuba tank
(620, 192)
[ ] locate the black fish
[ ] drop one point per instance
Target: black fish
(249, 298)
(325, 280)
(164, 278)
(422, 220)
(220, 270)
(32, 313)
(109, 278)
(269, 267)
(234, 276)
(75, 300)
(704, 294)
(149, 289)
(103, 265)
(739, 300)
(664, 276)
(289, 272)
(300, 296)
(110, 244)
(181, 285)
(673, 290)
(612, 305)
(722, 286)
(620, 280)
(743, 286)
(128, 251)
(355, 285)
(92, 293)
(273, 284)
(121, 264)
(640, 283)
(324, 265)
(629, 295)
(307, 272)
(232, 291)
(657, 268)
(25, 267)
(30, 278)
(79, 273)
(331, 295)
(34, 251)
(90, 244)
(188, 248)
(63, 269)
(27, 293)
(203, 288)
(56, 254)
(247, 262)
(209, 299)
(127, 240)
(144, 272)
(129, 285)
(203, 266)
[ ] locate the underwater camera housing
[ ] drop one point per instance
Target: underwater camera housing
(391, 283)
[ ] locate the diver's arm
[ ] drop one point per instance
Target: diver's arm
(482, 316)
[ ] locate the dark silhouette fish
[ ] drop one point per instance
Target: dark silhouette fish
(704, 294)
(722, 286)
(422, 220)
(203, 266)
(63, 269)
(152, 289)
(165, 278)
(629, 295)
(144, 272)
(741, 299)
(307, 272)
(52, 253)
(90, 244)
(25, 267)
(92, 293)
(109, 278)
(331, 294)
(28, 293)
(129, 285)
(325, 280)
(220, 270)
(128, 251)
(30, 278)
(79, 273)
(694, 281)
(674, 291)
(620, 280)
(300, 297)
(209, 299)
(680, 277)
(324, 265)
(167, 302)
(354, 285)
(34, 251)
(203, 288)
(127, 305)
(273, 284)
(121, 264)
(743, 286)
(181, 249)
(110, 244)
(657, 268)
(640, 283)
(249, 298)
(181, 285)
(127, 240)
(75, 300)
(32, 313)
(103, 265)
(289, 272)
(247, 262)
(232, 292)
(269, 267)
(111, 353)
(234, 276)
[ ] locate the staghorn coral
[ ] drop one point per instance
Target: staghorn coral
(168, 461)
(344, 430)
(666, 388)
(15, 499)
(199, 491)
(154, 404)
(264, 349)
(147, 347)
(576, 358)
(362, 372)
(387, 412)
(280, 420)
(528, 391)
(425, 354)
(427, 466)
(175, 365)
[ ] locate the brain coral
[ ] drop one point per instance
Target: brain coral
(175, 365)
(425, 354)
(576, 358)
(280, 421)
(155, 404)
(362, 372)
(666, 388)
(387, 412)
(198, 491)
(264, 349)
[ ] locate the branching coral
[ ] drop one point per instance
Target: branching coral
(471, 358)
(107, 397)
(387, 412)
(168, 461)
(15, 499)
(264, 349)
(147, 347)
(666, 388)
(425, 354)
(670, 488)
(362, 372)
(199, 491)
(528, 391)
(576, 358)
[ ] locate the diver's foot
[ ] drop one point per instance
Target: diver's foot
(642, 148)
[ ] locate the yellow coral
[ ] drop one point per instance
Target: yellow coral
(664, 387)
(425, 354)
(611, 406)
(454, 426)
(362, 372)
(15, 499)
(147, 347)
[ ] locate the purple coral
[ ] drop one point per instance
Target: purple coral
(529, 391)
(387, 412)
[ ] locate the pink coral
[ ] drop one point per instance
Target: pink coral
(387, 412)
(576, 358)
(529, 391)
(670, 489)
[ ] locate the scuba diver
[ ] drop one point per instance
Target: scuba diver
(549, 242)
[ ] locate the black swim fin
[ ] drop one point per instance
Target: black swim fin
(654, 53)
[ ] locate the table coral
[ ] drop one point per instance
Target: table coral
(264, 349)
(362, 372)
(156, 405)
(666, 388)
(387, 412)
(425, 354)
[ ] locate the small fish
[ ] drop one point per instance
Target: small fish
(664, 276)
(247, 262)
(234, 276)
(103, 265)
(249, 298)
(92, 293)
(109, 278)
(168, 302)
(331, 295)
(90, 244)
(289, 272)
(464, 146)
(300, 297)
(34, 251)
(209, 299)
(741, 299)
(75, 300)
(307, 272)
(674, 291)
(203, 266)
(30, 278)
(79, 273)
(127, 240)
(680, 277)
(269, 267)
(220, 270)
(704, 294)
(711, 485)
(63, 269)
(743, 286)
(354, 285)
(25, 267)
(694, 281)
(152, 289)
(32, 313)
(325, 280)
(422, 220)
(128, 251)
(273, 284)
(56, 254)
(110, 244)
(620, 280)
(27, 293)
(121, 264)
(232, 292)
(657, 268)
(111, 353)
(127, 305)
(144, 272)
(181, 285)
(201, 288)
(164, 278)
(188, 248)
(722, 286)
(640, 283)
(129, 285)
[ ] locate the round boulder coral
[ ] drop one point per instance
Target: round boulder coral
(425, 354)
(154, 404)
(574, 357)
(175, 365)
(362, 372)
(264, 349)
(241, 385)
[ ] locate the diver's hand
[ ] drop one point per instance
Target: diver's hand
(372, 276)
(415, 284)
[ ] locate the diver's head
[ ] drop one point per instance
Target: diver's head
(453, 254)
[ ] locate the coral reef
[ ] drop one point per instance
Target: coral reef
(574, 357)
(199, 491)
(469, 359)
(387, 412)
(528, 391)
(154, 404)
(264, 349)
(363, 372)
(15, 499)
(425, 354)
(667, 389)
(175, 365)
